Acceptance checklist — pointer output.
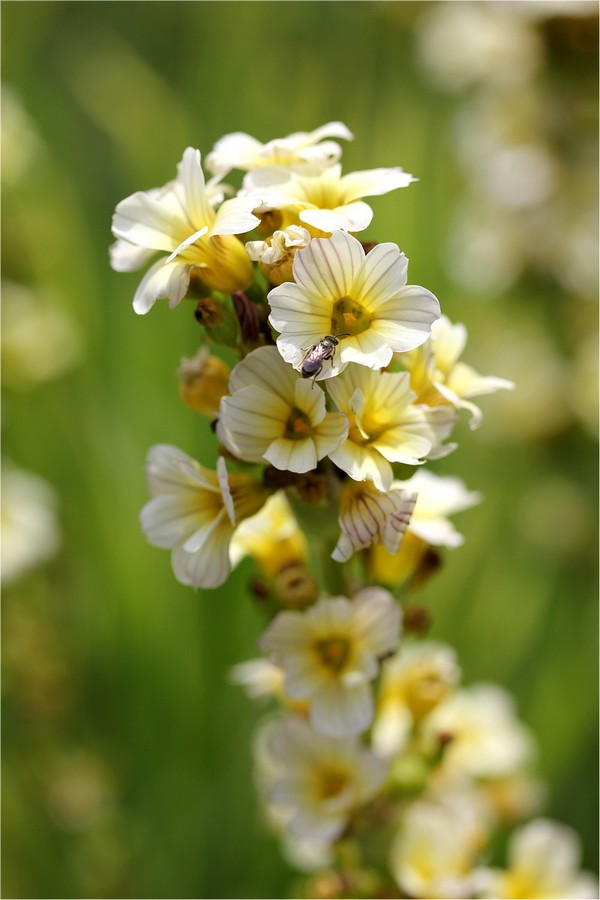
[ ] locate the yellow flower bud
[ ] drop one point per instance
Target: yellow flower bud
(203, 380)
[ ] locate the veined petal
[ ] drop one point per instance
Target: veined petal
(191, 177)
(371, 182)
(327, 267)
(209, 566)
(310, 401)
(383, 273)
(406, 318)
(350, 217)
(235, 217)
(292, 456)
(369, 517)
(330, 433)
(169, 469)
(466, 382)
(291, 309)
(126, 257)
(163, 280)
(369, 348)
(377, 617)
(362, 463)
(189, 240)
(340, 711)
(264, 368)
(232, 151)
(143, 220)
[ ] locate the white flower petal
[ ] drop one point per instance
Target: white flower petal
(163, 280)
(209, 566)
(383, 273)
(407, 317)
(342, 712)
(292, 456)
(235, 217)
(191, 178)
(143, 220)
(350, 217)
(126, 257)
(377, 617)
(372, 182)
(327, 267)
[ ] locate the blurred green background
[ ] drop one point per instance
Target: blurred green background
(127, 762)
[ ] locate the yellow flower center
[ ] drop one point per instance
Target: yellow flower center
(349, 317)
(333, 652)
(298, 426)
(332, 783)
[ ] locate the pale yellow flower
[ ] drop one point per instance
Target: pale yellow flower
(323, 201)
(241, 151)
(480, 732)
(194, 512)
(413, 682)
(438, 377)
(543, 864)
(275, 415)
(329, 653)
(180, 220)
(385, 425)
(363, 300)
(312, 783)
(435, 852)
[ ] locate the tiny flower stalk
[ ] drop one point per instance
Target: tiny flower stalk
(381, 773)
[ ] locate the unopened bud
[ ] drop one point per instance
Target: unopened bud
(275, 256)
(203, 380)
(295, 587)
(217, 314)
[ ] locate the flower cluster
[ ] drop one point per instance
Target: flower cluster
(348, 380)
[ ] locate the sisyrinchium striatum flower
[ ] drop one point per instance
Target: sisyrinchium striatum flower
(332, 388)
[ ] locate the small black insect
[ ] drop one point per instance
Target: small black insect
(314, 358)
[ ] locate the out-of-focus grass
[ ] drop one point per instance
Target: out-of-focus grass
(126, 753)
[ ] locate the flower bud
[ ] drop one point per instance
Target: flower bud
(217, 314)
(275, 256)
(203, 380)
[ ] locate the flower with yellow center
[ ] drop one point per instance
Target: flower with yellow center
(325, 201)
(481, 734)
(385, 425)
(369, 517)
(194, 511)
(312, 783)
(329, 653)
(439, 378)
(272, 414)
(435, 852)
(180, 220)
(241, 151)
(543, 864)
(362, 300)
(413, 682)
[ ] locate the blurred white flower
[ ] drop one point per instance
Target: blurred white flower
(435, 852)
(312, 783)
(241, 151)
(413, 682)
(543, 861)
(480, 734)
(40, 341)
(329, 653)
(463, 44)
(30, 529)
